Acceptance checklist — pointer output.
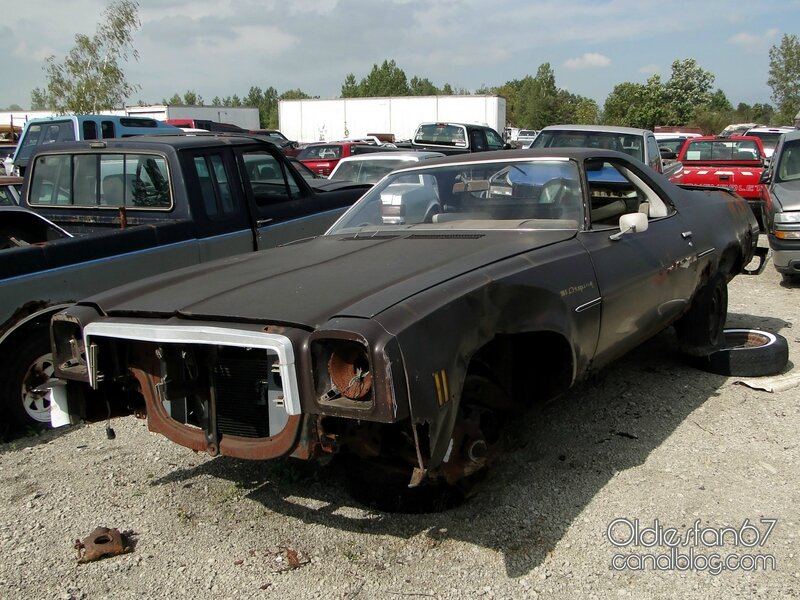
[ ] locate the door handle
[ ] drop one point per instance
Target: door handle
(686, 235)
(261, 222)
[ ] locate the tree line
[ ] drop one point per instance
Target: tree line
(91, 78)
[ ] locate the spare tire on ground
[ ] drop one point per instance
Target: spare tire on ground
(747, 353)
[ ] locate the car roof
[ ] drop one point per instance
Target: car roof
(781, 129)
(578, 154)
(791, 135)
(177, 141)
(595, 128)
(392, 155)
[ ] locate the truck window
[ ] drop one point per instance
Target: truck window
(653, 153)
(136, 181)
(477, 140)
(215, 188)
(493, 140)
(108, 129)
(269, 182)
(89, 130)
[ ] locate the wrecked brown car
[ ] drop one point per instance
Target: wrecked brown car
(447, 298)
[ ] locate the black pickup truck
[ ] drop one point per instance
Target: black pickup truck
(455, 138)
(136, 207)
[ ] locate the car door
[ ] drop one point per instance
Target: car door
(284, 207)
(645, 278)
(222, 217)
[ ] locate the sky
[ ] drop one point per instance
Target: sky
(218, 48)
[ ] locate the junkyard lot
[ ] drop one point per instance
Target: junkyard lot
(649, 438)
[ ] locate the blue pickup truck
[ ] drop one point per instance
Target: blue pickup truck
(131, 208)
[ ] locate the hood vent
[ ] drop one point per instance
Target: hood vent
(445, 236)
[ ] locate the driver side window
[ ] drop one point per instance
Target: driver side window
(614, 191)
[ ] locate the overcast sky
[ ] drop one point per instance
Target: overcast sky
(221, 47)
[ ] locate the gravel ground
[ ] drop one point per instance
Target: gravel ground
(649, 440)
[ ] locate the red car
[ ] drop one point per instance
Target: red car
(322, 157)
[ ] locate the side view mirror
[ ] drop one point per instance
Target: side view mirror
(766, 176)
(631, 223)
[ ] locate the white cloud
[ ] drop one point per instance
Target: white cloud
(752, 41)
(590, 60)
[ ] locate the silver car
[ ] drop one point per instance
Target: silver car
(371, 168)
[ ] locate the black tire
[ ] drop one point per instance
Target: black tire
(29, 368)
(748, 353)
(700, 330)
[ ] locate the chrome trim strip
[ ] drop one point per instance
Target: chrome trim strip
(588, 305)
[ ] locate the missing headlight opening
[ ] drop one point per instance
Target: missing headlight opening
(348, 368)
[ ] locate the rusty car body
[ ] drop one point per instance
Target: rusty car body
(451, 295)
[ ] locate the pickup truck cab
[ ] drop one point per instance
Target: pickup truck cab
(136, 207)
(456, 138)
(734, 162)
(67, 128)
(641, 144)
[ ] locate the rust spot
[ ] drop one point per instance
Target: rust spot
(101, 543)
(348, 367)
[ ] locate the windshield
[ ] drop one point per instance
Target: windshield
(789, 167)
(511, 194)
(621, 142)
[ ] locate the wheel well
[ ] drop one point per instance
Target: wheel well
(23, 328)
(531, 367)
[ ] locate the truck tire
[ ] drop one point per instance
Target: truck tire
(748, 353)
(700, 330)
(30, 367)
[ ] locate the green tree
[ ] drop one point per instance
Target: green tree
(688, 90)
(719, 102)
(350, 87)
(190, 98)
(386, 80)
(422, 87)
(620, 102)
(91, 78)
(784, 77)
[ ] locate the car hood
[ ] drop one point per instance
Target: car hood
(787, 194)
(306, 284)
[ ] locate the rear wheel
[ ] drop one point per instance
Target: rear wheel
(700, 330)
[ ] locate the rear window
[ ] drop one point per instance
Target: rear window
(135, 181)
(321, 152)
(722, 149)
(632, 145)
(442, 134)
